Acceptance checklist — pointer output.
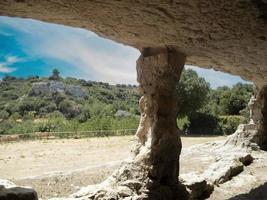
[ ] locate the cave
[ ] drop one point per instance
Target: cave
(229, 36)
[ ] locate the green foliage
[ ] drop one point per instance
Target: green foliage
(5, 126)
(4, 115)
(230, 101)
(27, 126)
(199, 106)
(205, 124)
(69, 108)
(15, 116)
(55, 75)
(192, 93)
(230, 123)
(182, 123)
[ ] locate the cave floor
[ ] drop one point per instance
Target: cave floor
(46, 165)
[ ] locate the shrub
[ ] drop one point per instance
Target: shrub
(15, 116)
(4, 114)
(46, 127)
(69, 109)
(5, 126)
(25, 106)
(29, 115)
(230, 123)
(27, 126)
(202, 123)
(55, 114)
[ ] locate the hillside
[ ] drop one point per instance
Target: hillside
(56, 104)
(36, 101)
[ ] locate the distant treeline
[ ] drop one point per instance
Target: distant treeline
(45, 104)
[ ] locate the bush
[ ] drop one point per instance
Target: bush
(15, 116)
(5, 126)
(54, 122)
(27, 126)
(55, 114)
(4, 114)
(230, 123)
(69, 109)
(29, 115)
(25, 106)
(201, 123)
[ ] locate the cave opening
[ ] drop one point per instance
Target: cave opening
(167, 147)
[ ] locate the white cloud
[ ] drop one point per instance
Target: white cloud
(113, 67)
(5, 65)
(98, 58)
(11, 59)
(4, 69)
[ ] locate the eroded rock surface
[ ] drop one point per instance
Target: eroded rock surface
(153, 171)
(229, 36)
(9, 191)
(254, 134)
(40, 88)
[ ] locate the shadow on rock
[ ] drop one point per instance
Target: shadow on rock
(259, 193)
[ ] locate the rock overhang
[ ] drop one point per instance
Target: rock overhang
(229, 36)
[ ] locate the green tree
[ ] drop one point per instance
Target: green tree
(192, 92)
(55, 75)
(231, 101)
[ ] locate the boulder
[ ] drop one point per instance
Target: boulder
(9, 191)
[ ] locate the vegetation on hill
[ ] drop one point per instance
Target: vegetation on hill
(56, 104)
(50, 104)
(212, 111)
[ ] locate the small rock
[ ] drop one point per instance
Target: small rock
(198, 186)
(124, 191)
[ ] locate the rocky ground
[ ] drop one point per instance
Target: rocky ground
(60, 167)
(237, 174)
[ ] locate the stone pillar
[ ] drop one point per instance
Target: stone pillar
(158, 72)
(152, 173)
(260, 117)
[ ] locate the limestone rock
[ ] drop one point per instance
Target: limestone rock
(199, 188)
(229, 36)
(55, 86)
(254, 134)
(9, 191)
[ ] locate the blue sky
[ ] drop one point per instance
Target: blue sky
(30, 47)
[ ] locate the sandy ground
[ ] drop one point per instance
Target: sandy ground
(60, 167)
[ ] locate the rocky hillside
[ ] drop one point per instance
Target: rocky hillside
(37, 99)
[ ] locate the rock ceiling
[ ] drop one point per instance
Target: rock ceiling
(229, 36)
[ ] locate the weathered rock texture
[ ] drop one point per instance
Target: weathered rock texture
(55, 86)
(9, 191)
(158, 71)
(153, 171)
(230, 36)
(253, 134)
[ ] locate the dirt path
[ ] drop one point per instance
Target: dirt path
(60, 167)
